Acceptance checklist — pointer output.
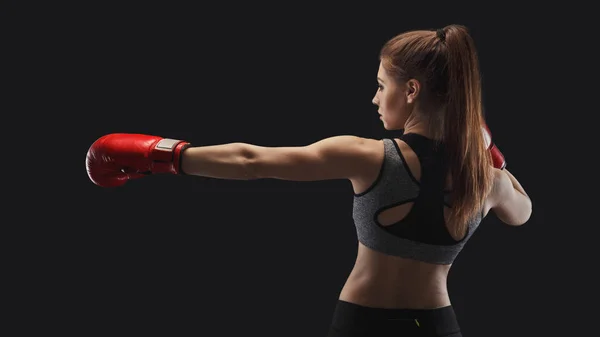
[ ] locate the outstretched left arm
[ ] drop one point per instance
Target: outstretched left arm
(338, 157)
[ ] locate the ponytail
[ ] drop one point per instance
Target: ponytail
(468, 160)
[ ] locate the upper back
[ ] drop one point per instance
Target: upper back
(402, 207)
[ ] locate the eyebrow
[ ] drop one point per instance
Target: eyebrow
(379, 79)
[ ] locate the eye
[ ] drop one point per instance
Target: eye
(379, 86)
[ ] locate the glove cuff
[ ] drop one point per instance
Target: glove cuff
(166, 156)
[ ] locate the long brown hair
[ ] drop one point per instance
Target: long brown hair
(446, 64)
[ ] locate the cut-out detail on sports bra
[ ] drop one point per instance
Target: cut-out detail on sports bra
(422, 218)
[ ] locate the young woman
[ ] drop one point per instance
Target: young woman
(417, 199)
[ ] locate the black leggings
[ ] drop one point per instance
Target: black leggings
(352, 320)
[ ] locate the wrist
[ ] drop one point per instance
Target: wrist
(167, 156)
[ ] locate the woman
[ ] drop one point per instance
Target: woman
(418, 198)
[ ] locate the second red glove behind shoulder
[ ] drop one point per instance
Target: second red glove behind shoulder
(497, 157)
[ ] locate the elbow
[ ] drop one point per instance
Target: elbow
(525, 218)
(249, 162)
(528, 212)
(525, 214)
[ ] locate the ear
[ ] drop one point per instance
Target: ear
(413, 89)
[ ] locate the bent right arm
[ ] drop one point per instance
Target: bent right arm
(510, 202)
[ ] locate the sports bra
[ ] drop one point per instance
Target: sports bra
(422, 234)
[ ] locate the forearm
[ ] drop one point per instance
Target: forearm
(515, 183)
(227, 161)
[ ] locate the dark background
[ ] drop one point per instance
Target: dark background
(183, 256)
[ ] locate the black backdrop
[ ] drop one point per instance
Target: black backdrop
(181, 256)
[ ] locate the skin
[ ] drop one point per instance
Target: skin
(376, 280)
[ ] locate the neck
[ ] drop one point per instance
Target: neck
(420, 129)
(419, 125)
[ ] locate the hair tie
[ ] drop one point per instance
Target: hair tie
(441, 34)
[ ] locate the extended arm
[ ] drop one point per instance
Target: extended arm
(116, 158)
(339, 157)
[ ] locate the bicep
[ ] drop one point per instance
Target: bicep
(339, 157)
(510, 206)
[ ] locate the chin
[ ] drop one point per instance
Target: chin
(385, 126)
(391, 127)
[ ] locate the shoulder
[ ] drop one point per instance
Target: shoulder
(344, 140)
(358, 147)
(356, 156)
(355, 149)
(336, 157)
(349, 144)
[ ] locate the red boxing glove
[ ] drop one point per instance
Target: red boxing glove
(497, 156)
(115, 158)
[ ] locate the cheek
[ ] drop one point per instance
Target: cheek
(386, 102)
(392, 104)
